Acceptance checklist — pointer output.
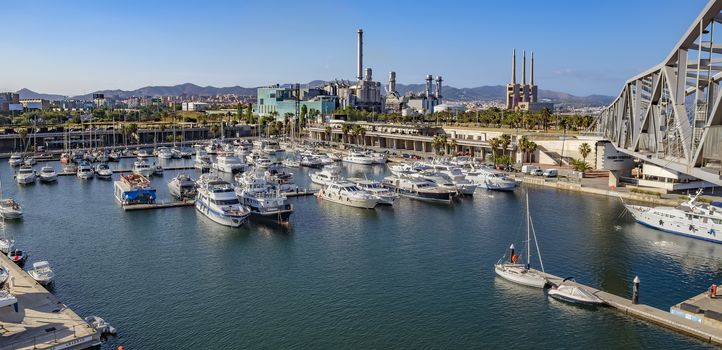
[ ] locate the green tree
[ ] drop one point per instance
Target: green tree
(452, 145)
(504, 142)
(302, 116)
(439, 143)
(494, 144)
(580, 165)
(345, 129)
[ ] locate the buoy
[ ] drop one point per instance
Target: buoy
(120, 347)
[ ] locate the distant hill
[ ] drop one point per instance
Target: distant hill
(26, 93)
(480, 93)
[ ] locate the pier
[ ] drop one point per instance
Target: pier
(671, 320)
(41, 320)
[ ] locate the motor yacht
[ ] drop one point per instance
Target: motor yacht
(325, 176)
(6, 245)
(30, 160)
(217, 200)
(4, 277)
(7, 299)
(182, 186)
(374, 187)
(10, 209)
(85, 171)
(141, 167)
(42, 273)
(491, 179)
(311, 162)
(48, 174)
(15, 159)
(25, 175)
(265, 203)
(19, 257)
(227, 162)
(417, 188)
(103, 171)
(347, 193)
(165, 153)
(358, 158)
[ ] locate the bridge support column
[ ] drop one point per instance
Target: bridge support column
(613, 179)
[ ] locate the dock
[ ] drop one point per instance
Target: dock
(161, 205)
(41, 320)
(670, 320)
(170, 168)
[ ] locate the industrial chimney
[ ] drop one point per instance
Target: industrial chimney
(429, 79)
(392, 82)
(438, 87)
(513, 66)
(368, 74)
(360, 67)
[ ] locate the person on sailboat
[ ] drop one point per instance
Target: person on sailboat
(514, 257)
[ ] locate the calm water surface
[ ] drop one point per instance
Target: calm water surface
(419, 275)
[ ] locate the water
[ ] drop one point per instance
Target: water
(419, 275)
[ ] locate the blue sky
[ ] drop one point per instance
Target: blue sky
(581, 47)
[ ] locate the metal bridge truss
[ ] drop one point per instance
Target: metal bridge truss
(670, 115)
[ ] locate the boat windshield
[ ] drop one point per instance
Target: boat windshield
(225, 201)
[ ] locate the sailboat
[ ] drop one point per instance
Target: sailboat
(518, 272)
(9, 208)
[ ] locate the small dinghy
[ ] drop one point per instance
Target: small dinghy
(18, 257)
(99, 324)
(574, 293)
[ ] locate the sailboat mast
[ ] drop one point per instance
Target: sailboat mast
(528, 232)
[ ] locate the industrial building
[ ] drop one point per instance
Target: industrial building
(365, 93)
(194, 106)
(35, 103)
(413, 103)
(283, 100)
(9, 101)
(524, 97)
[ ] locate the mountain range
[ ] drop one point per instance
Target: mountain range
(480, 93)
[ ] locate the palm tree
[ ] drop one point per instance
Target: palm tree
(530, 147)
(580, 165)
(584, 149)
(345, 128)
(452, 145)
(362, 133)
(328, 133)
(504, 141)
(439, 142)
(523, 144)
(494, 144)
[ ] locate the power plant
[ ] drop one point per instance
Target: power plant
(523, 97)
(412, 103)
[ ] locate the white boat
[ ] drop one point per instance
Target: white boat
(7, 244)
(134, 189)
(514, 270)
(103, 171)
(227, 162)
(691, 219)
(48, 174)
(10, 209)
(141, 167)
(157, 169)
(263, 162)
(281, 180)
(377, 158)
(99, 324)
(334, 156)
(325, 176)
(85, 171)
(15, 159)
(311, 162)
(217, 200)
(265, 203)
(25, 175)
(18, 256)
(30, 160)
(358, 158)
(7, 299)
(571, 292)
(70, 168)
(165, 153)
(202, 160)
(439, 180)
(491, 179)
(417, 188)
(4, 276)
(42, 273)
(374, 187)
(291, 163)
(347, 193)
(186, 153)
(142, 154)
(182, 186)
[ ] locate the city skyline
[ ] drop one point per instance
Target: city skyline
(579, 48)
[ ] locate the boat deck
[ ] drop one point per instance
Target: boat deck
(701, 330)
(300, 193)
(115, 171)
(42, 321)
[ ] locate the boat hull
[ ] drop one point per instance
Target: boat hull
(519, 274)
(644, 216)
(223, 219)
(347, 201)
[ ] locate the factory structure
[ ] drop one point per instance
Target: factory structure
(524, 97)
(413, 103)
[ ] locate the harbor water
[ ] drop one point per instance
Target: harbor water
(417, 275)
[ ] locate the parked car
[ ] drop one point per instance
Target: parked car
(551, 173)
(537, 172)
(527, 169)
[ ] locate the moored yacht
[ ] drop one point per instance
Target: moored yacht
(103, 171)
(19, 257)
(347, 193)
(374, 187)
(265, 203)
(325, 176)
(48, 174)
(417, 188)
(10, 209)
(182, 186)
(25, 175)
(491, 179)
(310, 161)
(165, 153)
(358, 158)
(85, 171)
(691, 218)
(141, 167)
(15, 159)
(217, 200)
(227, 162)
(42, 273)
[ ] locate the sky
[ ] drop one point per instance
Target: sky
(580, 47)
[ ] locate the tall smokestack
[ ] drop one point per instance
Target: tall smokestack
(513, 66)
(532, 68)
(429, 79)
(438, 87)
(523, 68)
(360, 67)
(392, 82)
